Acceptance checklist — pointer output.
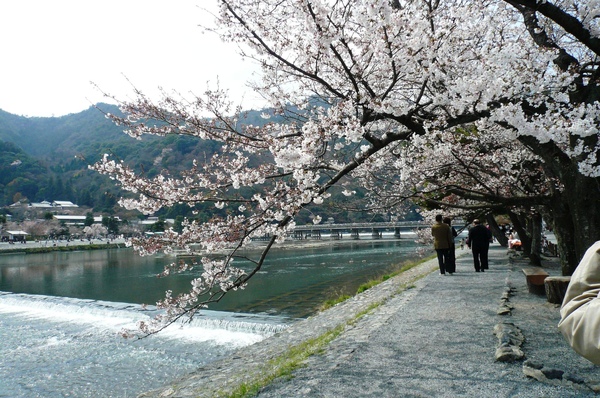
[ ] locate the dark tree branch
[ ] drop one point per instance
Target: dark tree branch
(568, 22)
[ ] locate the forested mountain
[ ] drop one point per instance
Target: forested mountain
(20, 174)
(42, 136)
(47, 158)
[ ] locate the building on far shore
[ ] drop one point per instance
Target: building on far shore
(60, 204)
(153, 220)
(13, 236)
(64, 204)
(40, 205)
(70, 219)
(25, 210)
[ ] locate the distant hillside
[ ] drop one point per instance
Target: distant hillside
(53, 154)
(20, 174)
(40, 136)
(48, 158)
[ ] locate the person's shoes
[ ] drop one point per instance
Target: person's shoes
(450, 273)
(477, 270)
(441, 273)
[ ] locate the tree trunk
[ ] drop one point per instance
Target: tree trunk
(520, 223)
(576, 218)
(518, 226)
(564, 230)
(575, 202)
(496, 231)
(536, 238)
(584, 200)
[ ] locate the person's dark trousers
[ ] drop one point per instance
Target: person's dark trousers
(442, 255)
(483, 256)
(480, 259)
(451, 260)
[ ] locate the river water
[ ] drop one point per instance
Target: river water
(60, 314)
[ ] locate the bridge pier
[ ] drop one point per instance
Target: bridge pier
(336, 234)
(354, 233)
(316, 234)
(397, 232)
(376, 234)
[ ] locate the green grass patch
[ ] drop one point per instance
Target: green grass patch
(331, 302)
(397, 270)
(369, 284)
(284, 365)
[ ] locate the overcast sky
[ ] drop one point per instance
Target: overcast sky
(52, 50)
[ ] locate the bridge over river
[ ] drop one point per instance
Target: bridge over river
(354, 230)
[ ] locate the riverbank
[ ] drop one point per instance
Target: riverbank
(418, 334)
(59, 245)
(45, 246)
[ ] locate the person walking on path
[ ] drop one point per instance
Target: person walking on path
(442, 241)
(479, 242)
(451, 264)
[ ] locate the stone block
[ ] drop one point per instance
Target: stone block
(556, 288)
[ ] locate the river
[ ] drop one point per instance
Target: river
(60, 314)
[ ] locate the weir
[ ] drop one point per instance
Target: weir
(55, 346)
(116, 316)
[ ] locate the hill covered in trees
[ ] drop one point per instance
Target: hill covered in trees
(47, 158)
(20, 173)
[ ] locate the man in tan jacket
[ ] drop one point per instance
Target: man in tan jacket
(442, 242)
(580, 311)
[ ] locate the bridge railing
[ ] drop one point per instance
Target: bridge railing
(397, 224)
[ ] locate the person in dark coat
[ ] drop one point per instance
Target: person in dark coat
(479, 242)
(442, 240)
(451, 263)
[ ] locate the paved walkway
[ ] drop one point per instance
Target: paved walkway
(433, 340)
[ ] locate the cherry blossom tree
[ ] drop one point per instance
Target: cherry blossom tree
(564, 132)
(95, 231)
(472, 175)
(377, 88)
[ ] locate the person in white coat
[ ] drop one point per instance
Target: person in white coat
(580, 310)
